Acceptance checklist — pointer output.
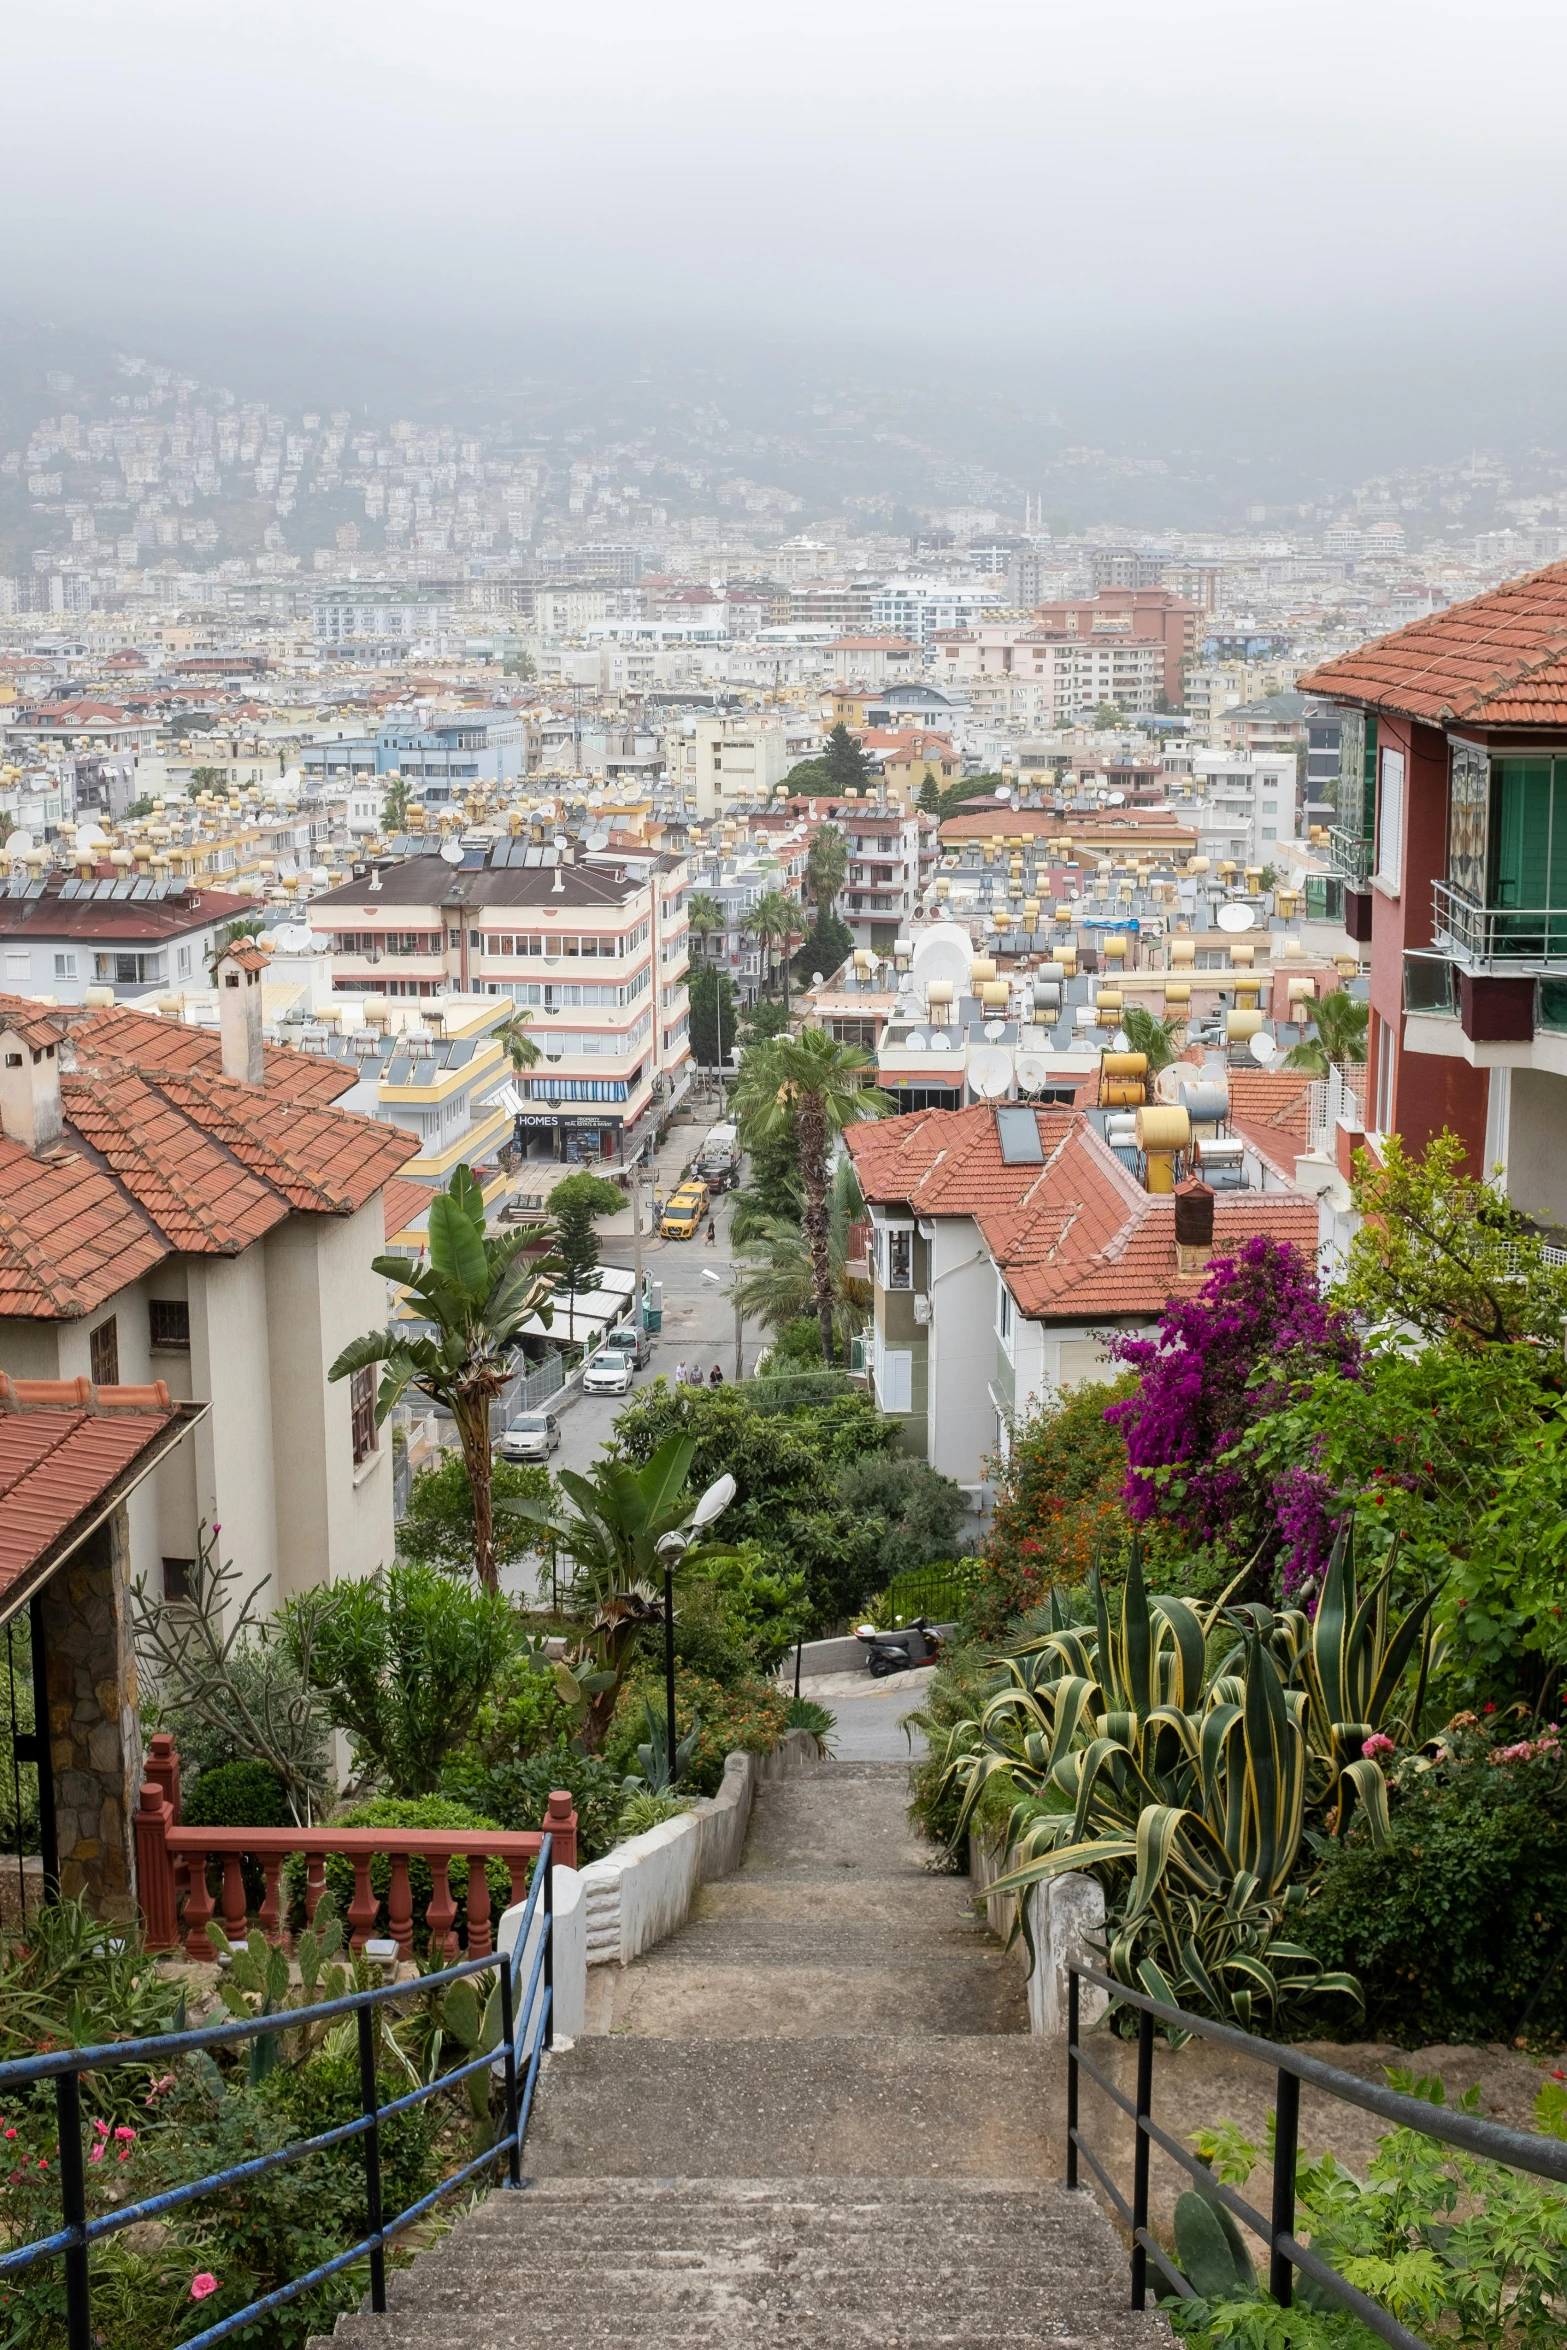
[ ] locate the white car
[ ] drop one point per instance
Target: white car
(609, 1373)
(532, 1436)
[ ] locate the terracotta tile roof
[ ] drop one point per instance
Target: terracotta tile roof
(69, 1236)
(1270, 1109)
(248, 955)
(402, 1199)
(118, 1034)
(1498, 660)
(1074, 1234)
(171, 1154)
(67, 1452)
(192, 1190)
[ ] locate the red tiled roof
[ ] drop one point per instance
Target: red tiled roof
(67, 1451)
(69, 1236)
(1270, 1109)
(1498, 660)
(52, 916)
(171, 1155)
(1074, 1235)
(401, 1200)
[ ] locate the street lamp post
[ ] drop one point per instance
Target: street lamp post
(709, 1273)
(671, 1550)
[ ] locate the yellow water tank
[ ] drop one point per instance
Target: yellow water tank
(1183, 954)
(1125, 1065)
(1241, 1024)
(1177, 991)
(982, 968)
(1108, 999)
(1242, 955)
(1115, 949)
(995, 995)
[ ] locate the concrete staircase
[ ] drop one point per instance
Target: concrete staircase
(812, 2118)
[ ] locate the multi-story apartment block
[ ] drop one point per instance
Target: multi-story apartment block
(1216, 691)
(1452, 843)
(60, 937)
(1034, 678)
(891, 851)
(721, 763)
(440, 755)
(1246, 803)
(386, 619)
(1154, 614)
(596, 951)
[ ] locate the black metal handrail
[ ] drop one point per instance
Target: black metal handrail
(1492, 2141)
(516, 2052)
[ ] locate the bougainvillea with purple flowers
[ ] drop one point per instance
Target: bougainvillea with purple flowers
(1220, 1362)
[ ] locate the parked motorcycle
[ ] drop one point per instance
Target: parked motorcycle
(899, 1651)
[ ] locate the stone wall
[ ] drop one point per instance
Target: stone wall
(94, 1727)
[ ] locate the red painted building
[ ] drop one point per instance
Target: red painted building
(1452, 840)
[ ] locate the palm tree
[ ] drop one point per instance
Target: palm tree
(826, 867)
(705, 916)
(515, 1042)
(782, 1289)
(775, 920)
(1340, 1021)
(1146, 1032)
(821, 1086)
(611, 1534)
(470, 1302)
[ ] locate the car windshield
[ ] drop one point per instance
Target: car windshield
(533, 1427)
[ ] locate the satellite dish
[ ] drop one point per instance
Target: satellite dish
(562, 840)
(940, 1043)
(1033, 1071)
(18, 843)
(1003, 791)
(1115, 799)
(916, 1041)
(1236, 917)
(990, 1072)
(451, 852)
(1263, 1047)
(995, 1030)
(816, 979)
(1120, 1042)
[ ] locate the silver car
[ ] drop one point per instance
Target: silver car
(532, 1436)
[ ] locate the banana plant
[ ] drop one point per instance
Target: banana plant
(472, 1298)
(611, 1534)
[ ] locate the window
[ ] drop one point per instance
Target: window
(182, 961)
(65, 966)
(103, 1354)
(177, 1574)
(1468, 820)
(1390, 825)
(168, 1325)
(899, 1259)
(1387, 1055)
(1005, 1322)
(18, 965)
(361, 1406)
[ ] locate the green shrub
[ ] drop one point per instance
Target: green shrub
(1456, 1929)
(438, 1528)
(324, 2093)
(751, 1718)
(1059, 1504)
(647, 1810)
(515, 1790)
(236, 1795)
(392, 1811)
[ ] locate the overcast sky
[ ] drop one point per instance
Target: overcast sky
(1018, 166)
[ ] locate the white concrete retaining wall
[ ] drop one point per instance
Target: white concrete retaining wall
(571, 1952)
(640, 1892)
(1066, 1918)
(837, 1656)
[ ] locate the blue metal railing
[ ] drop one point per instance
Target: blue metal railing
(1545, 2158)
(527, 2029)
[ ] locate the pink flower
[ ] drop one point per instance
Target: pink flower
(102, 2129)
(1376, 1745)
(98, 2152)
(202, 2283)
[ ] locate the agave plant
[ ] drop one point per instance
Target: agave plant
(1353, 1662)
(1185, 1795)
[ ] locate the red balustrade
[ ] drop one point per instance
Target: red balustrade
(172, 1860)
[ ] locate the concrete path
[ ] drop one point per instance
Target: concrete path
(812, 2118)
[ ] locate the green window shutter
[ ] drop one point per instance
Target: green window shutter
(1523, 847)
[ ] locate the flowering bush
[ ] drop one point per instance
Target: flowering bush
(1059, 1505)
(1219, 1363)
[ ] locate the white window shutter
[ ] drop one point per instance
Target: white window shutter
(895, 1379)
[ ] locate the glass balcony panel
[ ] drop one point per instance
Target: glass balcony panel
(1429, 985)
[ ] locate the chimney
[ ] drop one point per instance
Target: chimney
(29, 1084)
(1193, 1225)
(238, 975)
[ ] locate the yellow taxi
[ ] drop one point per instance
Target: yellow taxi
(683, 1211)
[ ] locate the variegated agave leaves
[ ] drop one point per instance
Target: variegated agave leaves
(1186, 1798)
(1354, 1664)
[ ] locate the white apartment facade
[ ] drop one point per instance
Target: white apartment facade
(1023, 677)
(596, 951)
(721, 763)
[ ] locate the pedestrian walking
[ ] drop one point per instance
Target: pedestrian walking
(712, 1232)
(680, 1373)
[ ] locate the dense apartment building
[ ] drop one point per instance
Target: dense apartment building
(1025, 675)
(892, 853)
(1154, 615)
(718, 763)
(1452, 843)
(61, 936)
(595, 950)
(441, 755)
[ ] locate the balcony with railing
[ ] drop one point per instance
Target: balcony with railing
(1350, 852)
(1512, 940)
